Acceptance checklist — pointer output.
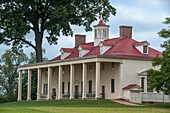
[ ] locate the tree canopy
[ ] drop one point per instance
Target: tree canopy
(160, 79)
(9, 73)
(20, 17)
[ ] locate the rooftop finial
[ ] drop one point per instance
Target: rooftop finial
(101, 12)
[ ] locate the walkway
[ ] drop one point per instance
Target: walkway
(124, 102)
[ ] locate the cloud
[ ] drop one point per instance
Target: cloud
(145, 16)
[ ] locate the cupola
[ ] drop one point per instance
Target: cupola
(101, 31)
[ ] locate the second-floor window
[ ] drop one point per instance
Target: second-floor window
(145, 49)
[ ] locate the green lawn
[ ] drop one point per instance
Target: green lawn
(79, 106)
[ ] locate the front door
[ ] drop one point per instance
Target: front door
(76, 92)
(103, 91)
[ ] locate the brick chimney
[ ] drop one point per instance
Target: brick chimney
(80, 39)
(125, 31)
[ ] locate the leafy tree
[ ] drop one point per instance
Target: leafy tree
(9, 74)
(160, 79)
(20, 17)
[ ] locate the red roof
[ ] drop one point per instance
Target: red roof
(110, 42)
(74, 54)
(139, 43)
(94, 51)
(68, 49)
(56, 58)
(125, 47)
(86, 47)
(120, 48)
(101, 23)
(130, 86)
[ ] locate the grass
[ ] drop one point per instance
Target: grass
(79, 106)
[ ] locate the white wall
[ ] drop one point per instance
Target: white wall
(103, 49)
(83, 52)
(106, 75)
(130, 70)
(64, 55)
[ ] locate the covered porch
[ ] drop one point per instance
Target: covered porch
(74, 79)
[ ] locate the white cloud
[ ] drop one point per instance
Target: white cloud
(145, 16)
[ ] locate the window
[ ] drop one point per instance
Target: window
(68, 87)
(145, 49)
(62, 87)
(104, 33)
(112, 85)
(81, 87)
(113, 65)
(142, 83)
(95, 33)
(90, 68)
(45, 89)
(90, 86)
(102, 66)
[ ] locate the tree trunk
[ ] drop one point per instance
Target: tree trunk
(38, 47)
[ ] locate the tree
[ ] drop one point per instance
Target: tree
(9, 73)
(20, 17)
(160, 79)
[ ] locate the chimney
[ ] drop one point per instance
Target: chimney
(80, 39)
(125, 31)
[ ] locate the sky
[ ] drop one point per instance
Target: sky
(145, 16)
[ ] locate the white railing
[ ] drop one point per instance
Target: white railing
(155, 97)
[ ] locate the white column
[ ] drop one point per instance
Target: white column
(60, 82)
(29, 86)
(140, 81)
(20, 86)
(49, 83)
(145, 84)
(39, 84)
(71, 81)
(84, 80)
(97, 80)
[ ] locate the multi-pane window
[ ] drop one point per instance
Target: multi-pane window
(62, 87)
(145, 49)
(68, 87)
(95, 32)
(90, 86)
(45, 89)
(81, 87)
(104, 33)
(112, 85)
(113, 65)
(142, 83)
(103, 66)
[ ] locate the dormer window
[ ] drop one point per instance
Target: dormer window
(145, 49)
(142, 47)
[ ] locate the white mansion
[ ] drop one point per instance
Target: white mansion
(110, 68)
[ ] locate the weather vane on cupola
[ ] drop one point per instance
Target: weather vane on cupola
(101, 12)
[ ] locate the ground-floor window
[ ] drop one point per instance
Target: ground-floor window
(112, 85)
(90, 86)
(68, 87)
(142, 83)
(62, 87)
(81, 87)
(45, 89)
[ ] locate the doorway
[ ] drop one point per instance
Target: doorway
(103, 92)
(76, 92)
